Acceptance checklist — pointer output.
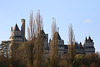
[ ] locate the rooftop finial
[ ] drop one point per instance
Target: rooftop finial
(11, 28)
(58, 30)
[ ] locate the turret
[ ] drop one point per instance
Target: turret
(85, 40)
(23, 29)
(16, 28)
(11, 28)
(89, 38)
(89, 46)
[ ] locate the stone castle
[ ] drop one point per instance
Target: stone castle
(18, 35)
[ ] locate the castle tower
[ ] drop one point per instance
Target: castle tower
(15, 34)
(17, 38)
(23, 29)
(89, 46)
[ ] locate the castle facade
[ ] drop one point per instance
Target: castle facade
(18, 37)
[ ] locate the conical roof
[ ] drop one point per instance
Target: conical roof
(85, 40)
(16, 28)
(89, 38)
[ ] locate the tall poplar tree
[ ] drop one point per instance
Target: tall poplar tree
(54, 46)
(71, 48)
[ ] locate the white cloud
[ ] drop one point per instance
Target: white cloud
(87, 21)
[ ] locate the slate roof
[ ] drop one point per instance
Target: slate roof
(16, 28)
(78, 46)
(59, 38)
(85, 40)
(90, 39)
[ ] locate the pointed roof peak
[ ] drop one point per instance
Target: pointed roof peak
(89, 38)
(80, 43)
(59, 36)
(85, 40)
(16, 28)
(49, 39)
(86, 37)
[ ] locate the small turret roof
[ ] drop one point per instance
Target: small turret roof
(59, 38)
(89, 38)
(16, 28)
(85, 40)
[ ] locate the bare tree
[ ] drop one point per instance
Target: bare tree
(71, 35)
(54, 46)
(31, 40)
(71, 47)
(54, 55)
(38, 51)
(54, 29)
(30, 28)
(39, 22)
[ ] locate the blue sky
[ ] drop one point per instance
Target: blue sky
(84, 15)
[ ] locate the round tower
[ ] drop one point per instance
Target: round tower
(23, 29)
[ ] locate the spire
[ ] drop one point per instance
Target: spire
(80, 43)
(11, 28)
(58, 30)
(85, 40)
(59, 38)
(89, 38)
(16, 28)
(49, 40)
(54, 29)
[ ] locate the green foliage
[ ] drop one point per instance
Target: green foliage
(78, 59)
(79, 56)
(89, 60)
